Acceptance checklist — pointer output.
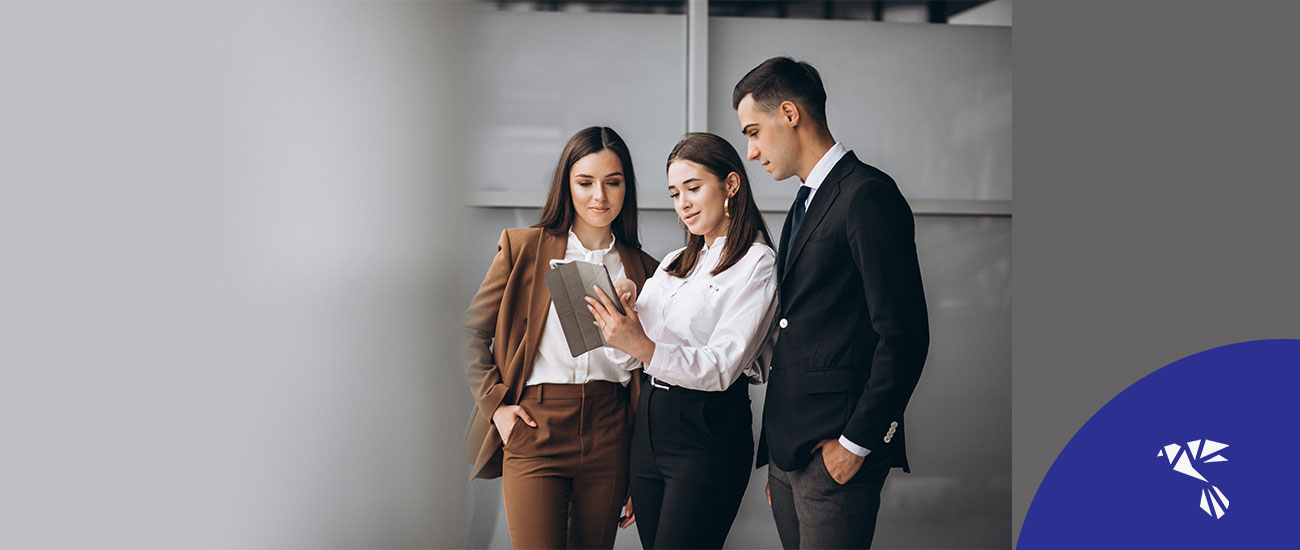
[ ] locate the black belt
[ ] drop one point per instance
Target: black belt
(660, 384)
(740, 387)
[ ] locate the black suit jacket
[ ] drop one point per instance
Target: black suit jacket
(852, 325)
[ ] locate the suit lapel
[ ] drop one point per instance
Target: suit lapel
(784, 249)
(821, 204)
(549, 247)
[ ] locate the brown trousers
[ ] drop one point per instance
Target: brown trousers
(565, 481)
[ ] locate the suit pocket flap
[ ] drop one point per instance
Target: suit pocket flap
(819, 244)
(837, 380)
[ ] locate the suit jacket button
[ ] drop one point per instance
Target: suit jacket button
(888, 438)
(893, 424)
(784, 323)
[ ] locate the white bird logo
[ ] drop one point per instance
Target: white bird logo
(1201, 451)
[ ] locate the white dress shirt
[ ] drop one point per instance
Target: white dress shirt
(554, 364)
(707, 329)
(821, 169)
(815, 179)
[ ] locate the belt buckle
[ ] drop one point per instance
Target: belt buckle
(655, 382)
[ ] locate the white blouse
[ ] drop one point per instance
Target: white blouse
(707, 329)
(553, 363)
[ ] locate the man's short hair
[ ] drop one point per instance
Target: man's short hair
(783, 79)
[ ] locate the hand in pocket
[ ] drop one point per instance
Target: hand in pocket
(504, 420)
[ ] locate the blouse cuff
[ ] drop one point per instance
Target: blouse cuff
(620, 358)
(854, 447)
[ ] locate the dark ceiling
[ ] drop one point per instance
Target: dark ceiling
(866, 10)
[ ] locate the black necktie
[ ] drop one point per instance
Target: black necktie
(796, 216)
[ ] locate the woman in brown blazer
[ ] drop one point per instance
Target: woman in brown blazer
(556, 428)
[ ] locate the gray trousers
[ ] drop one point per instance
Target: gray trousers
(813, 511)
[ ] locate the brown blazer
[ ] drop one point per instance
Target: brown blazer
(501, 342)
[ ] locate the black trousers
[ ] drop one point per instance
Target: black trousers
(690, 464)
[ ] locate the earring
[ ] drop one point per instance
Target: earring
(682, 224)
(726, 207)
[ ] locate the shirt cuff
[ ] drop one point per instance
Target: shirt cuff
(620, 359)
(854, 447)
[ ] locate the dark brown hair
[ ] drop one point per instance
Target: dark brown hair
(783, 79)
(557, 215)
(746, 222)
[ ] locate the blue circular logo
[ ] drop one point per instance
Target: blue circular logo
(1202, 453)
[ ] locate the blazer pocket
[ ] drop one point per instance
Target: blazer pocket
(818, 245)
(834, 380)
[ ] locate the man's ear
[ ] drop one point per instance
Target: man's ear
(790, 112)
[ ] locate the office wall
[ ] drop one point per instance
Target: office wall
(538, 77)
(928, 104)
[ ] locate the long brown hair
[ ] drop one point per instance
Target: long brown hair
(746, 222)
(557, 215)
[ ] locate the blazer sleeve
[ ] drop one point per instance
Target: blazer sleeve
(881, 237)
(479, 326)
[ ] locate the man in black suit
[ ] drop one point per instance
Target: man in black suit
(852, 331)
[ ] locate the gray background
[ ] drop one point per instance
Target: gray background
(1156, 210)
(223, 259)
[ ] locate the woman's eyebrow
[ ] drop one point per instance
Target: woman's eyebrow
(673, 186)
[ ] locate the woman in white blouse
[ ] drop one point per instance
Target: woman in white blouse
(697, 329)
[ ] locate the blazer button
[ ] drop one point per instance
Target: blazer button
(893, 424)
(784, 323)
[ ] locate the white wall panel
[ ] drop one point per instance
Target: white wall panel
(537, 78)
